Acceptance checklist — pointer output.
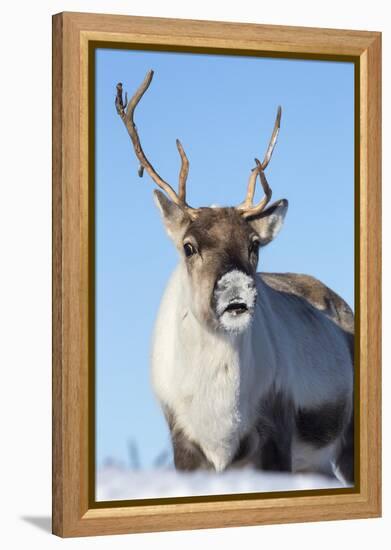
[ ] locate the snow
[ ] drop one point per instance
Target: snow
(116, 483)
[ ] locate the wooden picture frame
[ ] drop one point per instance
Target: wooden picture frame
(74, 511)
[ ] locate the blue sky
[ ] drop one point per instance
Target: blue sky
(222, 109)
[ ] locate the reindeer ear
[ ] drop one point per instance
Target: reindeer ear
(174, 218)
(269, 222)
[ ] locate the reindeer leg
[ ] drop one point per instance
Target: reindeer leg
(188, 455)
(276, 456)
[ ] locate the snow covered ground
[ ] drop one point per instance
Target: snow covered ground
(116, 483)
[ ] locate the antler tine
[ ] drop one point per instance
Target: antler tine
(126, 112)
(273, 139)
(250, 189)
(183, 173)
(257, 209)
(247, 208)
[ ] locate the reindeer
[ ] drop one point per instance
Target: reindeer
(249, 368)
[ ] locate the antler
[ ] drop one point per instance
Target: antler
(246, 208)
(126, 112)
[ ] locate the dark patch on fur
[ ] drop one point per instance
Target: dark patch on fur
(322, 425)
(275, 428)
(244, 449)
(274, 457)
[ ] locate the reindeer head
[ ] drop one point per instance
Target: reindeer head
(219, 246)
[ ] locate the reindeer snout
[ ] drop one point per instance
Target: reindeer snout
(235, 292)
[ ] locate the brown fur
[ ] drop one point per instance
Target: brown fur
(316, 293)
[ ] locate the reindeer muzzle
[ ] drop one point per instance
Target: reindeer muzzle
(234, 297)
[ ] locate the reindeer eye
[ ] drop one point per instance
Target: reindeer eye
(189, 250)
